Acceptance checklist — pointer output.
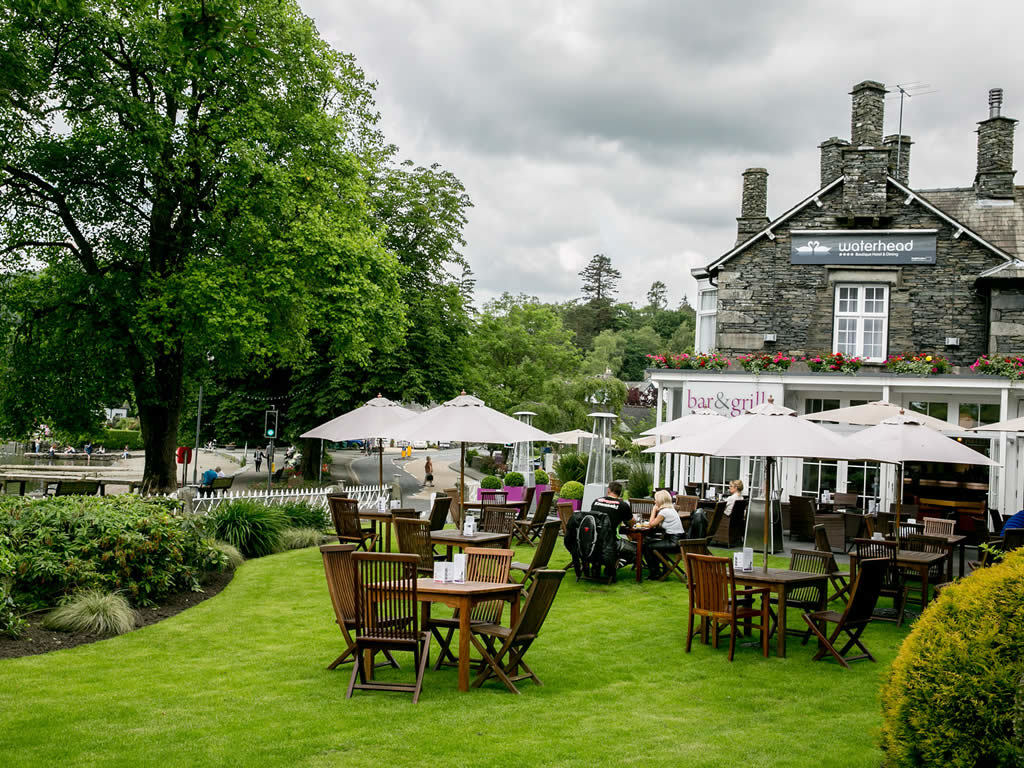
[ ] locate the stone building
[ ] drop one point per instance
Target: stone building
(868, 265)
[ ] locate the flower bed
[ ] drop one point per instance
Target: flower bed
(1000, 365)
(771, 363)
(706, 361)
(920, 364)
(837, 362)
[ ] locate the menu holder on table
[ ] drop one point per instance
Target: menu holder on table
(459, 568)
(443, 572)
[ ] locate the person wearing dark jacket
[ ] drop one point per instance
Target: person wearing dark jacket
(620, 513)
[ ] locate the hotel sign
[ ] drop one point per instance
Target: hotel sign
(728, 398)
(873, 246)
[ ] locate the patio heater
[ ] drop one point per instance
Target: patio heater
(599, 458)
(522, 453)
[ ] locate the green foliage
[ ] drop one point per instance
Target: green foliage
(92, 611)
(770, 363)
(490, 482)
(950, 696)
(921, 364)
(300, 538)
(227, 558)
(566, 401)
(599, 278)
(10, 622)
(540, 477)
(471, 453)
(640, 484)
(300, 514)
(119, 438)
(1011, 367)
(571, 466)
(571, 490)
(624, 353)
(252, 527)
(514, 479)
(142, 547)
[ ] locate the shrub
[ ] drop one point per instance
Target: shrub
(514, 479)
(921, 364)
(770, 363)
(10, 623)
(471, 453)
(836, 362)
(252, 527)
(1000, 365)
(540, 477)
(490, 482)
(93, 611)
(144, 548)
(487, 465)
(705, 361)
(950, 696)
(571, 490)
(571, 466)
(228, 557)
(301, 514)
(640, 484)
(300, 538)
(116, 439)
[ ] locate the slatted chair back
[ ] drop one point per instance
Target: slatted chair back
(886, 549)
(871, 575)
(439, 512)
(413, 537)
(933, 526)
(499, 519)
(456, 508)
(821, 542)
(405, 512)
(844, 500)
(387, 610)
(491, 566)
(693, 547)
(905, 530)
(543, 509)
(528, 495)
(565, 510)
(710, 581)
(538, 603)
(884, 521)
(341, 582)
(716, 517)
(546, 546)
(1013, 538)
(493, 496)
(642, 509)
(808, 561)
(996, 521)
(918, 542)
(345, 514)
(686, 504)
(801, 517)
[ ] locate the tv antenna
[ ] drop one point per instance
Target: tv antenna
(906, 91)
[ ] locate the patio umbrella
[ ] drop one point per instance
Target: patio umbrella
(370, 420)
(1011, 425)
(876, 412)
(572, 437)
(695, 422)
(773, 431)
(904, 437)
(465, 419)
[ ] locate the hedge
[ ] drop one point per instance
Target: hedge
(514, 479)
(117, 439)
(952, 691)
(571, 490)
(490, 482)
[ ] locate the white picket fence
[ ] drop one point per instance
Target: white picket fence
(369, 496)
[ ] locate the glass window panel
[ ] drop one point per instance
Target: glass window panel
(874, 300)
(989, 413)
(872, 338)
(829, 405)
(969, 413)
(939, 410)
(858, 402)
(848, 298)
(708, 301)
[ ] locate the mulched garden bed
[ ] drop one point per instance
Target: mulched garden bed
(36, 640)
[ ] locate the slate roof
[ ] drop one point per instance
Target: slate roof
(1001, 222)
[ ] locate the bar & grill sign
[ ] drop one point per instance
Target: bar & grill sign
(874, 246)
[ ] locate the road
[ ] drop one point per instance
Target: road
(363, 470)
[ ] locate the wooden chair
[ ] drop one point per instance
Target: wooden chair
(565, 510)
(801, 517)
(844, 500)
(714, 597)
(715, 518)
(839, 579)
(1013, 538)
(527, 531)
(345, 514)
(387, 617)
(729, 532)
(686, 504)
(917, 542)
(934, 526)
(998, 521)
(693, 547)
(642, 509)
(439, 512)
(493, 496)
(905, 531)
(456, 508)
(505, 662)
(541, 555)
(835, 525)
(855, 618)
(413, 537)
(807, 598)
(405, 512)
(499, 520)
(692, 489)
(893, 583)
(482, 564)
(528, 495)
(341, 585)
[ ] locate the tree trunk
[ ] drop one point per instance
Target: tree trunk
(311, 459)
(159, 397)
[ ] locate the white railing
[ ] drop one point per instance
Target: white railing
(368, 496)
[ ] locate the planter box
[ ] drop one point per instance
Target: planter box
(480, 492)
(540, 490)
(575, 503)
(515, 492)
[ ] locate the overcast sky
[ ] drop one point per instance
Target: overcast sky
(623, 127)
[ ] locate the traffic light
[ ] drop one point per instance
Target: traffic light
(270, 424)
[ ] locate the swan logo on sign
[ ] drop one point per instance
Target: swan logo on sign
(813, 247)
(851, 247)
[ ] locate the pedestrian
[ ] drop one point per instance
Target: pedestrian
(258, 458)
(124, 453)
(88, 451)
(428, 473)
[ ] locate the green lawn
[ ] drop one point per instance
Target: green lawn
(241, 680)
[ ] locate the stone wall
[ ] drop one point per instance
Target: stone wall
(759, 291)
(1007, 326)
(995, 157)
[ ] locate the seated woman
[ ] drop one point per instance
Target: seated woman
(665, 515)
(735, 494)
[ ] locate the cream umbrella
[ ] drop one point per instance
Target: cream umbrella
(571, 437)
(465, 419)
(870, 414)
(370, 420)
(1011, 425)
(903, 438)
(695, 422)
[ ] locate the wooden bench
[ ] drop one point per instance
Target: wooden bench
(76, 488)
(219, 484)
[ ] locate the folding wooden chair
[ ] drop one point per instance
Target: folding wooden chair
(504, 663)
(807, 598)
(499, 520)
(541, 555)
(439, 512)
(413, 537)
(839, 579)
(527, 531)
(934, 526)
(482, 564)
(854, 620)
(345, 514)
(341, 585)
(565, 510)
(642, 509)
(893, 583)
(714, 597)
(387, 617)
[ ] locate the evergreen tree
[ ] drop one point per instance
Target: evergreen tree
(599, 279)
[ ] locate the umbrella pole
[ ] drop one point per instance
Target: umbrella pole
(703, 474)
(767, 505)
(462, 477)
(380, 463)
(899, 499)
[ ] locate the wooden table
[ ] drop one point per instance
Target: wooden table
(780, 581)
(953, 540)
(637, 535)
(453, 537)
(463, 597)
(920, 562)
(478, 506)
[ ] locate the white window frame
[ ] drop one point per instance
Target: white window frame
(706, 316)
(860, 315)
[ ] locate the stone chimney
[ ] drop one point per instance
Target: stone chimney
(864, 190)
(899, 157)
(832, 158)
(867, 114)
(995, 151)
(754, 208)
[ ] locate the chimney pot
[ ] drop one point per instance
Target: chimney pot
(899, 157)
(867, 113)
(832, 159)
(994, 177)
(754, 206)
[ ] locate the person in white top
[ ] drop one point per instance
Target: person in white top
(735, 494)
(665, 515)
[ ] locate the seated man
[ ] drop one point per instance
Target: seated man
(620, 513)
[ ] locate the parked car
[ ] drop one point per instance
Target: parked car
(422, 444)
(443, 444)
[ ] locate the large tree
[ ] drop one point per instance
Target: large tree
(600, 279)
(179, 180)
